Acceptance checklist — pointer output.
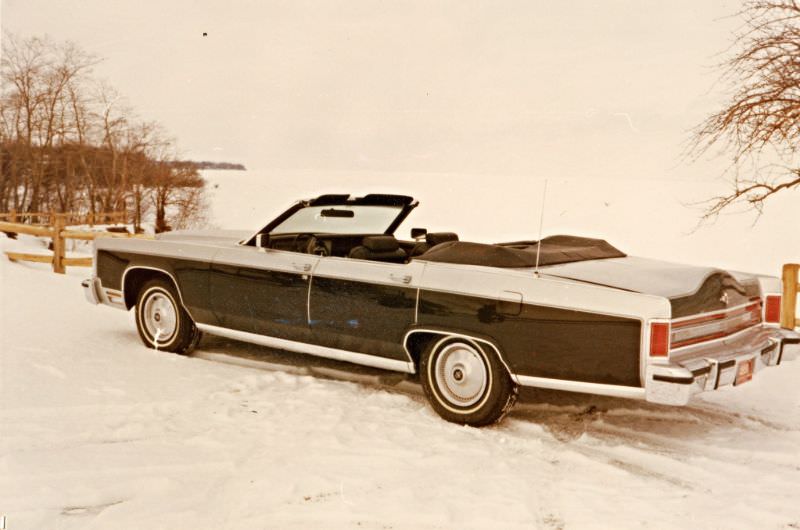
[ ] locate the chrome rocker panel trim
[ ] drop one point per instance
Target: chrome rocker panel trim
(630, 392)
(312, 349)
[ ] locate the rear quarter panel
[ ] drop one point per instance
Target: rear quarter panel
(557, 329)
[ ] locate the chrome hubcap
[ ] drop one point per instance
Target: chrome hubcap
(461, 374)
(160, 317)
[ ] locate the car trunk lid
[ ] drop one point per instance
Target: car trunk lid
(690, 289)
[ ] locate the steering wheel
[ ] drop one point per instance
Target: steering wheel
(309, 244)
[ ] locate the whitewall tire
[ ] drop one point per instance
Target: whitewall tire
(162, 322)
(465, 381)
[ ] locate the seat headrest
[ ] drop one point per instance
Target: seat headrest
(435, 238)
(381, 243)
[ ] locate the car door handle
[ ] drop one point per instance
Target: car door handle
(304, 267)
(402, 278)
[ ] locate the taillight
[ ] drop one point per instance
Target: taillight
(659, 339)
(772, 308)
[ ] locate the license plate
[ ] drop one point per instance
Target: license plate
(744, 372)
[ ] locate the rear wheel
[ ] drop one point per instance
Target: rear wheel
(466, 382)
(161, 320)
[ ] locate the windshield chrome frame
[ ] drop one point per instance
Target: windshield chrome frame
(406, 203)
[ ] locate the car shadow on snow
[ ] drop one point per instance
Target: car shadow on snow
(565, 415)
(569, 415)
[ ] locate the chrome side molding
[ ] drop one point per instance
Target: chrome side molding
(630, 392)
(312, 349)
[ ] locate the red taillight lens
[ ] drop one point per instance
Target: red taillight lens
(659, 339)
(772, 308)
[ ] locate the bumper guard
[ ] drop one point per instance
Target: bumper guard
(91, 289)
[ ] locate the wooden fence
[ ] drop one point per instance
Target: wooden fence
(789, 296)
(70, 218)
(58, 232)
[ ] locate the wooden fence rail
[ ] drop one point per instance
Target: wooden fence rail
(789, 296)
(57, 232)
(89, 218)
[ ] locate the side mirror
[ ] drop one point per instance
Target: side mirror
(262, 240)
(417, 233)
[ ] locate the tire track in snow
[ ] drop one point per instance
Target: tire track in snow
(657, 439)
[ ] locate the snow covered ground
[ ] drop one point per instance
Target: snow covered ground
(99, 432)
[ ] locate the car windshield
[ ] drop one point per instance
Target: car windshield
(352, 219)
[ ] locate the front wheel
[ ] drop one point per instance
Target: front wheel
(466, 382)
(161, 320)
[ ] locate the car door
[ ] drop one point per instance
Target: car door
(363, 306)
(262, 291)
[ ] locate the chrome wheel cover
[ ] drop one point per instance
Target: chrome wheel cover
(461, 374)
(160, 317)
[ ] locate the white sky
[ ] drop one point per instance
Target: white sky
(558, 89)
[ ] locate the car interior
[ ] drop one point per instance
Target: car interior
(373, 247)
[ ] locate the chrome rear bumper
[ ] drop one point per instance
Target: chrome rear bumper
(676, 382)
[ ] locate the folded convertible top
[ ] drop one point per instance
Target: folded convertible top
(520, 254)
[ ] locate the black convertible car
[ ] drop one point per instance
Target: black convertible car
(328, 277)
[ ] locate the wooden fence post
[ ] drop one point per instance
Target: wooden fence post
(12, 215)
(789, 296)
(58, 243)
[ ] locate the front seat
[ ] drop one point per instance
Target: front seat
(431, 240)
(379, 248)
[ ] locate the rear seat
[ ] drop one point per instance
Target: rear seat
(379, 248)
(431, 240)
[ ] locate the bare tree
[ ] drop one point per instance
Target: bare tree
(38, 76)
(176, 188)
(760, 124)
(70, 143)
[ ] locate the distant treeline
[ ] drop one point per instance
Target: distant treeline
(68, 143)
(204, 164)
